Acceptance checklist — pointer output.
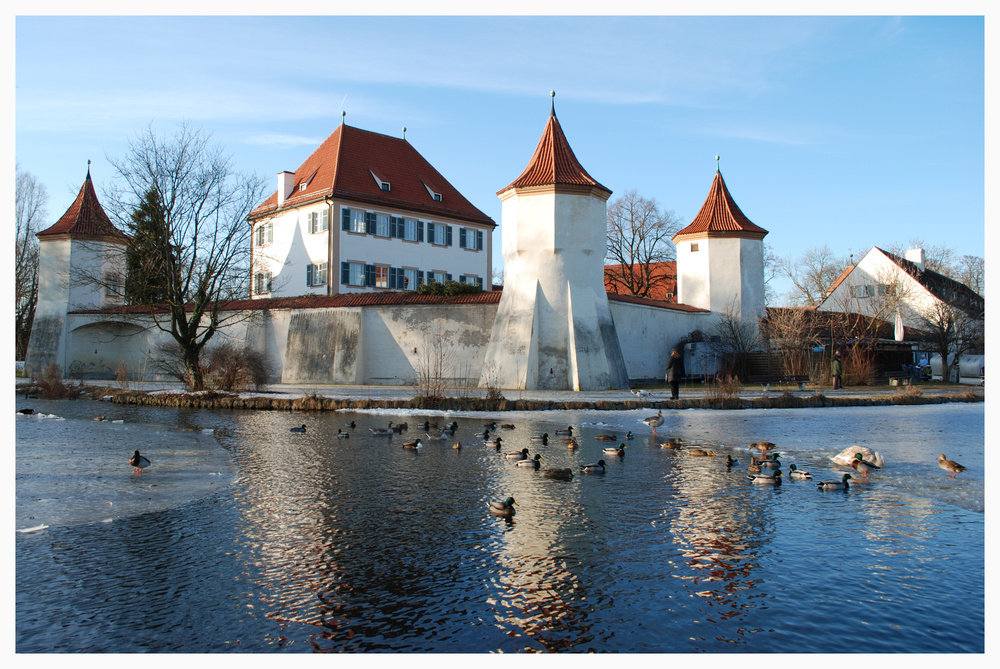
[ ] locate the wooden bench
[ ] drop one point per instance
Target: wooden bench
(767, 379)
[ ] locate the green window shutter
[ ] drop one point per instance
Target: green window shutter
(309, 275)
(447, 240)
(345, 219)
(479, 240)
(345, 273)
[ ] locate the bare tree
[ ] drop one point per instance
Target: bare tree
(204, 249)
(639, 235)
(30, 198)
(972, 272)
(772, 268)
(734, 338)
(953, 333)
(791, 331)
(812, 274)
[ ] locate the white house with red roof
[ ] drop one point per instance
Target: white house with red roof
(365, 213)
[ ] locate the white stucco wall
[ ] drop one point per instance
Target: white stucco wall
(649, 333)
(724, 273)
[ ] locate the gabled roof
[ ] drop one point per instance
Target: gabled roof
(86, 219)
(953, 293)
(343, 165)
(720, 215)
(662, 279)
(553, 162)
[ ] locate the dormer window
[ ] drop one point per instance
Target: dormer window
(434, 194)
(302, 187)
(382, 185)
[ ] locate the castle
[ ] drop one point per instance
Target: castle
(396, 221)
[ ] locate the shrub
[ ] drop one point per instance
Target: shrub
(449, 288)
(234, 369)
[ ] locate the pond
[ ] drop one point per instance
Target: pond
(257, 539)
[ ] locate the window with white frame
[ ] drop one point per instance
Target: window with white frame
(355, 220)
(410, 281)
(440, 277)
(265, 233)
(319, 221)
(471, 239)
(437, 233)
(382, 225)
(262, 283)
(353, 273)
(113, 284)
(410, 229)
(317, 273)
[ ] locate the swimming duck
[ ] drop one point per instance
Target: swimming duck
(796, 473)
(616, 452)
(450, 428)
(138, 461)
(543, 438)
(343, 435)
(485, 434)
(559, 474)
(507, 426)
(754, 467)
(26, 412)
(949, 466)
(399, 429)
(100, 419)
(606, 437)
(860, 464)
(766, 479)
(458, 445)
(533, 463)
(771, 463)
(382, 431)
(414, 444)
(572, 444)
(568, 431)
(763, 446)
(495, 443)
(730, 462)
(351, 425)
(673, 443)
(504, 508)
(492, 425)
(596, 468)
(835, 485)
(629, 435)
(654, 421)
(517, 455)
(298, 429)
(701, 452)
(426, 425)
(846, 456)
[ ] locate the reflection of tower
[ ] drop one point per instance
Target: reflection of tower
(553, 328)
(80, 266)
(720, 258)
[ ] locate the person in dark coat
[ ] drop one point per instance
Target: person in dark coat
(675, 372)
(837, 372)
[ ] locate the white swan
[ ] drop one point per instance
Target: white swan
(846, 456)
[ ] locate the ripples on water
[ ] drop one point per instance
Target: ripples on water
(357, 545)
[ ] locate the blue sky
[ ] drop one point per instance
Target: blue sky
(847, 131)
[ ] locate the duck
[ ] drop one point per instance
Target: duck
(414, 444)
(504, 508)
(861, 465)
(507, 426)
(673, 444)
(798, 474)
(458, 445)
(544, 438)
(763, 446)
(440, 436)
(772, 463)
(654, 421)
(766, 479)
(26, 412)
(842, 484)
(616, 452)
(425, 425)
(846, 456)
(382, 431)
(641, 393)
(606, 437)
(572, 444)
(949, 466)
(517, 455)
(534, 463)
(629, 436)
(450, 428)
(701, 452)
(595, 468)
(343, 435)
(568, 431)
(138, 461)
(298, 429)
(492, 425)
(558, 474)
(485, 434)
(754, 467)
(100, 419)
(351, 425)
(730, 462)
(399, 429)
(495, 443)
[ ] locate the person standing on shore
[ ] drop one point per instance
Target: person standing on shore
(675, 371)
(837, 372)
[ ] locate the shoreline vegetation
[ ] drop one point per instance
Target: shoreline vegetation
(910, 395)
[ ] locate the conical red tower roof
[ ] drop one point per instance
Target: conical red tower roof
(554, 162)
(85, 218)
(721, 216)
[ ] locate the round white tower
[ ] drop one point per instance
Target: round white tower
(553, 328)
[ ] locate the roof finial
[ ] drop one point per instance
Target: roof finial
(553, 112)
(343, 116)
(88, 169)
(404, 132)
(716, 163)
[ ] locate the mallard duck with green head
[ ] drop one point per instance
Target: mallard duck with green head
(533, 463)
(798, 474)
(864, 466)
(504, 508)
(842, 484)
(616, 452)
(517, 455)
(773, 478)
(594, 468)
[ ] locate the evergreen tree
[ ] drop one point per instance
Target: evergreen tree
(148, 256)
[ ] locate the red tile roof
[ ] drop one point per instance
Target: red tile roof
(553, 162)
(632, 299)
(342, 167)
(720, 214)
(662, 280)
(85, 218)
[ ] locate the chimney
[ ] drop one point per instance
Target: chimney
(915, 256)
(286, 180)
